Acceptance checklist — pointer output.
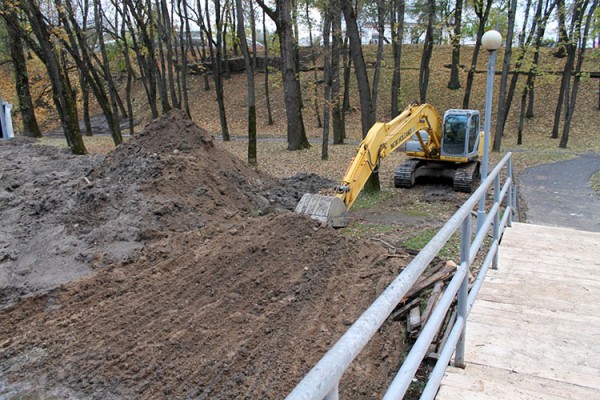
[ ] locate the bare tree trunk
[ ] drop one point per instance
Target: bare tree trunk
(454, 82)
(427, 51)
(563, 36)
(533, 72)
(339, 129)
(61, 90)
(266, 66)
(85, 100)
(250, 81)
(130, 77)
(327, 78)
(204, 43)
(185, 45)
(144, 51)
(296, 133)
(572, 46)
(377, 72)
(512, 8)
(222, 33)
(22, 87)
(397, 42)
(347, 61)
(160, 68)
(568, 69)
(112, 116)
(524, 44)
(367, 110)
(522, 116)
(216, 62)
(313, 56)
(253, 30)
(483, 11)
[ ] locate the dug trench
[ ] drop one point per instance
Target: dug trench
(170, 269)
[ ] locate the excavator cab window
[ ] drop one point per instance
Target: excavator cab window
(455, 135)
(473, 132)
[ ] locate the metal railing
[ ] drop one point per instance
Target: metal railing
(322, 381)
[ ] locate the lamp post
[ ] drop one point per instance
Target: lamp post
(491, 41)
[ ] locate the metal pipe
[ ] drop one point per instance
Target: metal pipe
(334, 394)
(478, 241)
(481, 276)
(494, 211)
(496, 231)
(326, 374)
(437, 374)
(463, 292)
(410, 365)
(489, 92)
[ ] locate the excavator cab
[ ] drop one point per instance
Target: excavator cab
(460, 135)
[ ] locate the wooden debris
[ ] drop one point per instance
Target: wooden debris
(400, 312)
(413, 321)
(435, 296)
(423, 283)
(446, 328)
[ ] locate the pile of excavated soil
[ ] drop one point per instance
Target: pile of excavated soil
(193, 280)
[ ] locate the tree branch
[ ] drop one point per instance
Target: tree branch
(273, 14)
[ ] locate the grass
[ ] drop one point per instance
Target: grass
(450, 251)
(366, 230)
(370, 200)
(94, 144)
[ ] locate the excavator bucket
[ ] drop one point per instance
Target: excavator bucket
(329, 209)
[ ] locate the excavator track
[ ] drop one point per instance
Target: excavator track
(467, 177)
(404, 177)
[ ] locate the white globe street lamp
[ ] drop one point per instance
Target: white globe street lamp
(491, 41)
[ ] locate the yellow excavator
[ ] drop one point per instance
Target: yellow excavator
(450, 148)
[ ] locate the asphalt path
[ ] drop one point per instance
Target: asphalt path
(558, 194)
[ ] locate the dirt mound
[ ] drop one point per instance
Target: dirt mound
(62, 217)
(223, 312)
(206, 290)
(170, 178)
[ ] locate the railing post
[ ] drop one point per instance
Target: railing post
(496, 218)
(463, 292)
(511, 191)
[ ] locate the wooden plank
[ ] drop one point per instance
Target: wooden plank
(553, 233)
(576, 375)
(574, 294)
(436, 293)
(413, 320)
(556, 351)
(535, 324)
(534, 332)
(518, 298)
(572, 259)
(552, 271)
(515, 310)
(505, 384)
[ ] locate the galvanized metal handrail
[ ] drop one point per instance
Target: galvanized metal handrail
(322, 381)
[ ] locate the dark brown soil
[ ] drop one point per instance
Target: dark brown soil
(192, 279)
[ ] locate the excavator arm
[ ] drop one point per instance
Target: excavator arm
(383, 139)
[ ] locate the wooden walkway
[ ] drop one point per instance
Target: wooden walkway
(534, 331)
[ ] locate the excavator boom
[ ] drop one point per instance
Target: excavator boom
(381, 140)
